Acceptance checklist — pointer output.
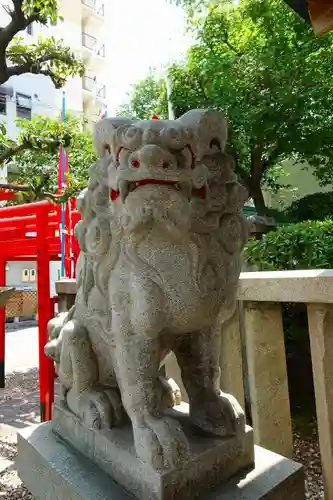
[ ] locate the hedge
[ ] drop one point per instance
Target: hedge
(317, 206)
(304, 245)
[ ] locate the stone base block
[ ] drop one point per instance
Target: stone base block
(53, 470)
(211, 459)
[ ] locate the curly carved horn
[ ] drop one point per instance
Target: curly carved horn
(210, 127)
(104, 131)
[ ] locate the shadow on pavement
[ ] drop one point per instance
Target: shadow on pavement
(19, 401)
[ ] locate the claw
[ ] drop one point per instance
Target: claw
(172, 440)
(221, 417)
(118, 412)
(160, 442)
(96, 410)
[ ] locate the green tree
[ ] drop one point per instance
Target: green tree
(148, 96)
(35, 167)
(47, 57)
(263, 67)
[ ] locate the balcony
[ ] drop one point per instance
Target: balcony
(91, 43)
(94, 7)
(94, 87)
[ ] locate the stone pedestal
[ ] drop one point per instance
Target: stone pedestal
(52, 469)
(210, 461)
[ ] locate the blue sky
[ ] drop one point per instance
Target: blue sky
(143, 34)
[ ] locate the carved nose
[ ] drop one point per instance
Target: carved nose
(153, 156)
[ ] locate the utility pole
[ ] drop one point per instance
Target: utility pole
(171, 113)
(168, 83)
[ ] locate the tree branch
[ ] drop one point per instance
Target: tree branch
(15, 187)
(225, 40)
(35, 67)
(271, 160)
(256, 158)
(14, 150)
(17, 23)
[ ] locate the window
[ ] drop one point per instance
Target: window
(23, 106)
(29, 29)
(32, 275)
(3, 104)
(29, 275)
(25, 275)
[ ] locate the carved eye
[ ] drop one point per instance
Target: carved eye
(216, 143)
(165, 164)
(135, 163)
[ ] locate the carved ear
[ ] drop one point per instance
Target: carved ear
(103, 133)
(210, 128)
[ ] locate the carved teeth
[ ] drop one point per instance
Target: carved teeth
(124, 189)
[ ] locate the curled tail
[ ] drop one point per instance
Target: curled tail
(54, 329)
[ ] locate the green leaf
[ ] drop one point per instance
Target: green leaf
(304, 245)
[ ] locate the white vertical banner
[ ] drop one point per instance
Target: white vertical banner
(168, 83)
(167, 79)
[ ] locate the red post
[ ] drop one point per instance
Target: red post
(46, 368)
(75, 217)
(2, 326)
(53, 301)
(68, 263)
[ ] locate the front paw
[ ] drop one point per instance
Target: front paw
(221, 416)
(52, 350)
(97, 408)
(160, 442)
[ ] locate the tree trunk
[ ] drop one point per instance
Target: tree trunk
(258, 198)
(256, 173)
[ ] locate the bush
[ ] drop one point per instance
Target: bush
(304, 245)
(317, 206)
(280, 217)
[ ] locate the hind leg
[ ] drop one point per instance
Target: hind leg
(210, 409)
(78, 374)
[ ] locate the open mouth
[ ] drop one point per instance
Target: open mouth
(126, 187)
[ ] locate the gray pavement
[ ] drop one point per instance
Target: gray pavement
(19, 401)
(21, 350)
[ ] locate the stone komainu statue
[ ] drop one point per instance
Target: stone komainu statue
(161, 234)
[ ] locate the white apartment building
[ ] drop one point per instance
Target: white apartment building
(84, 29)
